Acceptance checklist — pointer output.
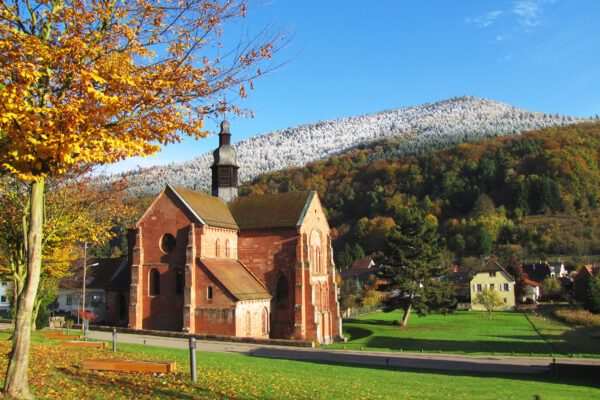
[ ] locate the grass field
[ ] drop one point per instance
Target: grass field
(472, 332)
(55, 372)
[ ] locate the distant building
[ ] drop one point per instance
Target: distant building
(581, 279)
(537, 272)
(558, 269)
(361, 270)
(493, 276)
(98, 276)
(531, 291)
(5, 288)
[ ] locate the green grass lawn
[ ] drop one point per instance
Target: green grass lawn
(55, 372)
(471, 332)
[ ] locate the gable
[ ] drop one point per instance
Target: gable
(283, 210)
(203, 208)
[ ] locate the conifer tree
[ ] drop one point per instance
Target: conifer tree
(412, 261)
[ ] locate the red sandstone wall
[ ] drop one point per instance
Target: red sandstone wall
(166, 215)
(217, 315)
(267, 254)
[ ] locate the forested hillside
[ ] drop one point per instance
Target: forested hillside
(531, 195)
(415, 129)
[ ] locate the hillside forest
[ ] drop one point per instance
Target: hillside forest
(533, 196)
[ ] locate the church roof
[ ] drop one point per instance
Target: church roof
(234, 276)
(281, 210)
(208, 209)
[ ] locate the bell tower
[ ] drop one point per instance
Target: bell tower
(225, 168)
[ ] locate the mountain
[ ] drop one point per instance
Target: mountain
(414, 129)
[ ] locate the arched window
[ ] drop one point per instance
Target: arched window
(315, 244)
(265, 321)
(282, 297)
(227, 249)
(324, 302)
(154, 282)
(248, 324)
(209, 293)
(179, 282)
(217, 248)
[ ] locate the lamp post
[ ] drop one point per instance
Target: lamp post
(85, 267)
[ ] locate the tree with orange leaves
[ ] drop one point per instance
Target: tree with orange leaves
(90, 82)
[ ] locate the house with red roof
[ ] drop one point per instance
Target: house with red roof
(257, 266)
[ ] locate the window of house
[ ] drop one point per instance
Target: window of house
(3, 299)
(492, 274)
(217, 248)
(179, 282)
(492, 286)
(506, 287)
(167, 243)
(227, 249)
(479, 288)
(69, 300)
(209, 293)
(154, 282)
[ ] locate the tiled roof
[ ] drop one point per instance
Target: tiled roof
(211, 210)
(530, 282)
(97, 277)
(271, 210)
(537, 272)
(236, 278)
(492, 266)
(366, 263)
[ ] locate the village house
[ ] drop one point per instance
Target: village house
(258, 266)
(493, 276)
(100, 272)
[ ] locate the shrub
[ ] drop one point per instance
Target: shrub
(578, 316)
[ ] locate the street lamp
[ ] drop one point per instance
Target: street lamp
(85, 267)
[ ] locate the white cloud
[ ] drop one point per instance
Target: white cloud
(528, 12)
(485, 20)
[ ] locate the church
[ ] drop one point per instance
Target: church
(251, 266)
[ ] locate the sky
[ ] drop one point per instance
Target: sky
(352, 57)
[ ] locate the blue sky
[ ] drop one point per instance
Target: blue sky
(354, 57)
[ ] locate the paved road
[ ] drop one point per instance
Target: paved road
(449, 362)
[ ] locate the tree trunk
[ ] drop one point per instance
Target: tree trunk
(34, 314)
(16, 383)
(407, 311)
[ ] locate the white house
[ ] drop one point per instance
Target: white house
(5, 288)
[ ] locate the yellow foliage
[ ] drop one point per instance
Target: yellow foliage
(81, 83)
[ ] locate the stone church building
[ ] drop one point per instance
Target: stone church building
(256, 266)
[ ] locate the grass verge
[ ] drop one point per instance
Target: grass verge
(470, 332)
(55, 372)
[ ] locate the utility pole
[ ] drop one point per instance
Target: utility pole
(84, 279)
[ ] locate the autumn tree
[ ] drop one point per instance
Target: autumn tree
(489, 299)
(75, 210)
(412, 261)
(94, 82)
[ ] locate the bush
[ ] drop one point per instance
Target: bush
(578, 316)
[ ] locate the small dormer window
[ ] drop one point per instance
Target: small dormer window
(492, 274)
(167, 243)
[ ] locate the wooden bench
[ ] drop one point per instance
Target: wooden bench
(61, 336)
(79, 343)
(129, 366)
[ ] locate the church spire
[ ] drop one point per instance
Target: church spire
(224, 168)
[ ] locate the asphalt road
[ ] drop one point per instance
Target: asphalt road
(448, 362)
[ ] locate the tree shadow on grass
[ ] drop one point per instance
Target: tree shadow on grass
(446, 345)
(356, 333)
